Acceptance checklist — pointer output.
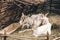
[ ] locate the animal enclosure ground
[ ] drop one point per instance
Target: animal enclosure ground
(28, 34)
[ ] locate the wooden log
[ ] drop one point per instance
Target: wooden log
(3, 9)
(26, 3)
(18, 5)
(5, 34)
(31, 2)
(10, 29)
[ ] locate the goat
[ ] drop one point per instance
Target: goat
(42, 30)
(25, 21)
(28, 21)
(37, 19)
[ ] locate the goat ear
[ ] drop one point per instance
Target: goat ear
(46, 14)
(22, 14)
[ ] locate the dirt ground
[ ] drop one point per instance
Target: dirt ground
(28, 35)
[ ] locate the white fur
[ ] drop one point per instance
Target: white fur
(42, 30)
(34, 19)
(37, 20)
(26, 20)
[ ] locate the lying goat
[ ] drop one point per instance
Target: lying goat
(29, 21)
(26, 21)
(44, 28)
(37, 19)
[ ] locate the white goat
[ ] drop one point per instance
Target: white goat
(42, 30)
(37, 19)
(26, 21)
